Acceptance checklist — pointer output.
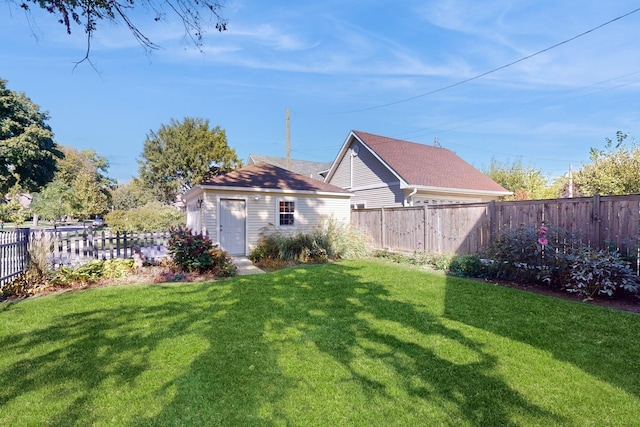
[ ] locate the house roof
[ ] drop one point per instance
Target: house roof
(303, 167)
(422, 165)
(265, 176)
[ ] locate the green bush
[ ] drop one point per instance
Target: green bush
(435, 261)
(601, 272)
(467, 265)
(330, 240)
(152, 217)
(196, 253)
(531, 254)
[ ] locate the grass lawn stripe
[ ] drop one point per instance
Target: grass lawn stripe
(352, 343)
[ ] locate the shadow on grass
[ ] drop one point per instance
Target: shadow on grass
(599, 341)
(354, 320)
(239, 345)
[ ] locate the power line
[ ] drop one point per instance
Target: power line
(446, 127)
(494, 70)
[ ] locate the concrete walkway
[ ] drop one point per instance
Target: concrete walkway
(245, 266)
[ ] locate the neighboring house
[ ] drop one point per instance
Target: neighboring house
(387, 172)
(232, 209)
(316, 170)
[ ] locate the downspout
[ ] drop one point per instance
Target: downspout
(410, 196)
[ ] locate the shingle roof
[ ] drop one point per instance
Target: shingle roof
(303, 167)
(429, 166)
(264, 175)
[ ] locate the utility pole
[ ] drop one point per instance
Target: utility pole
(288, 163)
(570, 181)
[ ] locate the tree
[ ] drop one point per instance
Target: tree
(526, 182)
(184, 154)
(84, 171)
(614, 170)
(89, 198)
(131, 195)
(194, 14)
(28, 153)
(54, 202)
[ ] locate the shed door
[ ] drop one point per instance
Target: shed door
(232, 226)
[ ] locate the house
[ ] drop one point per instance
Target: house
(387, 172)
(232, 209)
(316, 170)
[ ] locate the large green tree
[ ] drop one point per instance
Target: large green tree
(80, 187)
(183, 154)
(28, 153)
(54, 202)
(87, 15)
(131, 195)
(85, 172)
(525, 181)
(613, 170)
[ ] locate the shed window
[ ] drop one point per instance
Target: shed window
(286, 211)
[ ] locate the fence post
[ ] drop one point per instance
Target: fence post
(425, 217)
(492, 221)
(595, 216)
(383, 234)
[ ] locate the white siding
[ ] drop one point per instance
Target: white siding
(262, 207)
(209, 216)
(383, 197)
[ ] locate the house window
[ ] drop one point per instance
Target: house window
(286, 210)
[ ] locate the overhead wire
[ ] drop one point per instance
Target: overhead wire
(441, 89)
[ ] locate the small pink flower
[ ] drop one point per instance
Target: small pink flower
(543, 230)
(543, 241)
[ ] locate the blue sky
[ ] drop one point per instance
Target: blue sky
(337, 65)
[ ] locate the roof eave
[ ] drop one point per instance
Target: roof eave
(275, 190)
(457, 190)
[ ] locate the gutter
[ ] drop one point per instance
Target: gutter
(410, 196)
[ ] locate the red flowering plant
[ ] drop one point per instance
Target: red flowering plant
(527, 254)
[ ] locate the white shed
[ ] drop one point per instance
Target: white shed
(232, 209)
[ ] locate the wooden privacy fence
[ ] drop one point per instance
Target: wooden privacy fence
(599, 221)
(13, 253)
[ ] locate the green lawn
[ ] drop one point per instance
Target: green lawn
(352, 343)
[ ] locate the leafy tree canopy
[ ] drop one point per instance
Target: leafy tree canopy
(28, 153)
(526, 182)
(54, 202)
(131, 195)
(194, 14)
(85, 172)
(183, 154)
(613, 170)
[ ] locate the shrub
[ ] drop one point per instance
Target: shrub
(196, 253)
(468, 265)
(531, 254)
(601, 272)
(87, 273)
(118, 268)
(151, 217)
(435, 261)
(330, 240)
(37, 275)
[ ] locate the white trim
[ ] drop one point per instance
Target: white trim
(246, 218)
(270, 190)
(376, 186)
(343, 152)
(456, 190)
(295, 213)
(358, 202)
